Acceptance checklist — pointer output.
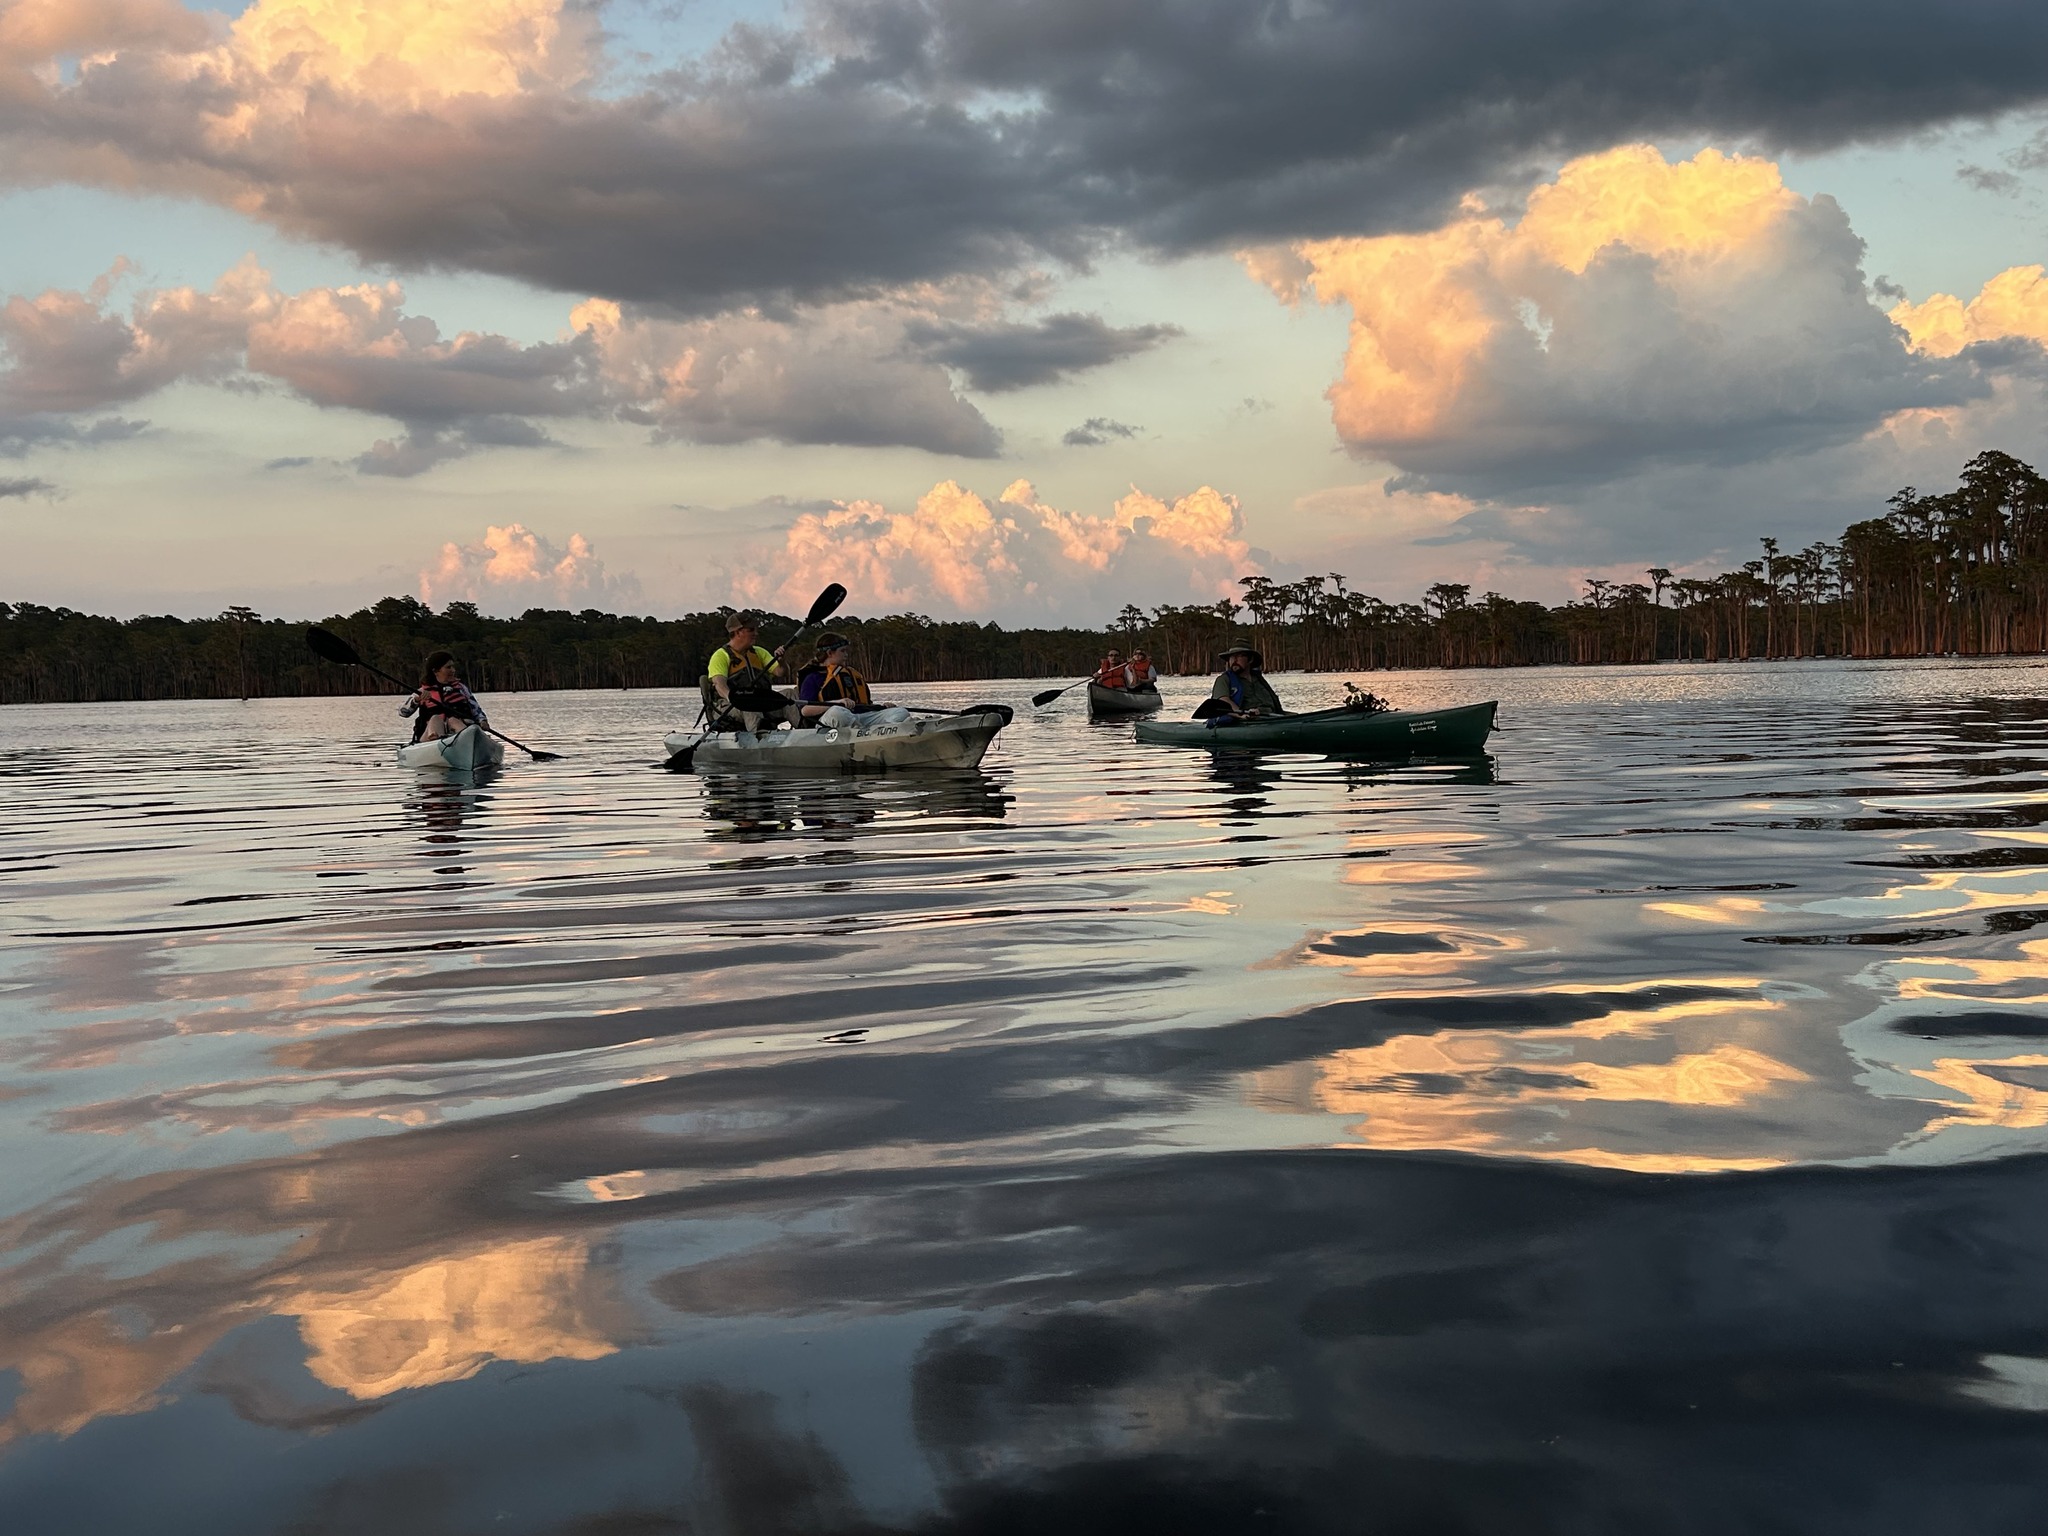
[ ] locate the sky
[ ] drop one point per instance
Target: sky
(1019, 312)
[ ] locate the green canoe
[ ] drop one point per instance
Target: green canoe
(1339, 732)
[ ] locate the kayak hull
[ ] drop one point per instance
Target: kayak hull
(467, 749)
(1395, 733)
(1121, 701)
(954, 741)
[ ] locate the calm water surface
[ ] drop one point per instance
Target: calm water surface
(1641, 1129)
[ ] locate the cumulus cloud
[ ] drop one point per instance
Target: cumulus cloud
(2012, 305)
(882, 142)
(1638, 311)
(512, 569)
(866, 372)
(1020, 560)
(842, 374)
(351, 347)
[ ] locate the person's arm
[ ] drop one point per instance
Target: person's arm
(1220, 689)
(769, 661)
(720, 668)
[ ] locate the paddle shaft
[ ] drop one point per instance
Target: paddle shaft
(1040, 700)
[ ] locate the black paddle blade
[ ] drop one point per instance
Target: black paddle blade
(680, 762)
(543, 757)
(329, 646)
(1040, 700)
(827, 604)
(1209, 709)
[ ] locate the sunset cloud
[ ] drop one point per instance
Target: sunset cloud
(2012, 305)
(873, 143)
(1019, 559)
(875, 372)
(843, 373)
(512, 569)
(1636, 311)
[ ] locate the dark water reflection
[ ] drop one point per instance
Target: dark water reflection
(1643, 1129)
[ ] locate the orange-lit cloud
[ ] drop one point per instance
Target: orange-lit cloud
(447, 1319)
(2012, 304)
(957, 554)
(410, 52)
(1636, 309)
(513, 568)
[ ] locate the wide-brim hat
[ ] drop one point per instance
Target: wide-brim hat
(1241, 648)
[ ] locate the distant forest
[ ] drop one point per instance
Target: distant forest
(1962, 573)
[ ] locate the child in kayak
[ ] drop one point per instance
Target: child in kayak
(443, 703)
(831, 693)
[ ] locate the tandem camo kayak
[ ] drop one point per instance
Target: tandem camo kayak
(467, 748)
(950, 741)
(1121, 701)
(1338, 732)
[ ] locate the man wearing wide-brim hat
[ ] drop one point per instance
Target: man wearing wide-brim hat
(1243, 685)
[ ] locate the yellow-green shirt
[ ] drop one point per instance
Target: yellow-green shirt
(721, 660)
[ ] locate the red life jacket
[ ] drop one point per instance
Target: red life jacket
(451, 699)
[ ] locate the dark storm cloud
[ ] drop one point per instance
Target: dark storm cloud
(997, 358)
(1210, 121)
(23, 488)
(899, 141)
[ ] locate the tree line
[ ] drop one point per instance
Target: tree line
(1963, 572)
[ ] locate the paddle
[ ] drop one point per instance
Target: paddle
(827, 604)
(1004, 710)
(329, 646)
(1212, 709)
(1040, 700)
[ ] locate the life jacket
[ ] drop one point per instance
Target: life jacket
(451, 699)
(1140, 677)
(843, 685)
(1113, 676)
(746, 677)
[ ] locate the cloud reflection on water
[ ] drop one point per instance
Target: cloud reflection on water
(856, 1156)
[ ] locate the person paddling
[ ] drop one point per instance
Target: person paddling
(741, 677)
(1112, 673)
(443, 701)
(1243, 685)
(1141, 672)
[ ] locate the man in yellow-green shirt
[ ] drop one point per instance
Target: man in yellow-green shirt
(742, 675)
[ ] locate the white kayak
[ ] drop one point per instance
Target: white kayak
(467, 748)
(952, 741)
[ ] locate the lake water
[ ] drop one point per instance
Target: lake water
(1641, 1129)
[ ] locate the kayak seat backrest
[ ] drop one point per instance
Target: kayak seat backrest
(719, 715)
